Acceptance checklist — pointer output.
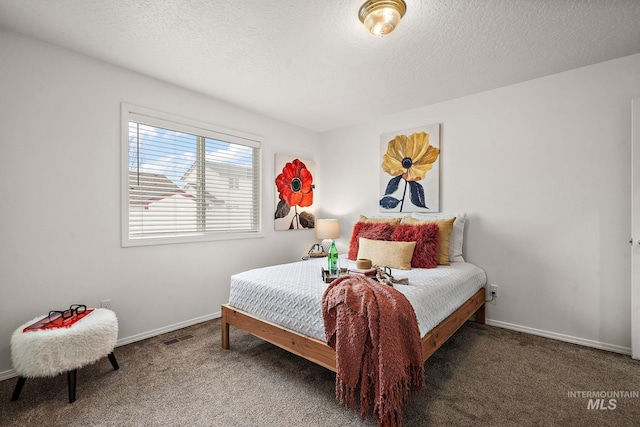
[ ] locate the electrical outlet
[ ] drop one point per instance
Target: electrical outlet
(494, 290)
(105, 303)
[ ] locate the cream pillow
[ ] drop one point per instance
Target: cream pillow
(386, 253)
(445, 226)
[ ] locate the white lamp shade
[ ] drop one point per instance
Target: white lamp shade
(327, 229)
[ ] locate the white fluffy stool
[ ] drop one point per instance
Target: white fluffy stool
(49, 352)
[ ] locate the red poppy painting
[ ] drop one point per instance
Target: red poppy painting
(294, 187)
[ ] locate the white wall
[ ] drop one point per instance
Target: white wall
(60, 197)
(543, 170)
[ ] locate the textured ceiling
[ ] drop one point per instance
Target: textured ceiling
(312, 63)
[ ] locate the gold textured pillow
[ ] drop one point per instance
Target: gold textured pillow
(394, 221)
(445, 226)
(387, 253)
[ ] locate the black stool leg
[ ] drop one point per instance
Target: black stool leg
(114, 362)
(71, 377)
(18, 389)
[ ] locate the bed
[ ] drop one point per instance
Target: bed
(282, 305)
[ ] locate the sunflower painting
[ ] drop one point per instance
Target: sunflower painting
(294, 188)
(410, 176)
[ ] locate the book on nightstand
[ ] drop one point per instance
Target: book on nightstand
(317, 255)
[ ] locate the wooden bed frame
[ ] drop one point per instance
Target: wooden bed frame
(320, 353)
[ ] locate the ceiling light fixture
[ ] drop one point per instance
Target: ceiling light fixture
(381, 17)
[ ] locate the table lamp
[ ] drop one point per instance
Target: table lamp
(327, 230)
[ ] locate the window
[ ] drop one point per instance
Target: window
(187, 181)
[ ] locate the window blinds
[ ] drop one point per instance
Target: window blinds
(186, 181)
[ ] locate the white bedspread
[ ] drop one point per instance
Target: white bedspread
(290, 295)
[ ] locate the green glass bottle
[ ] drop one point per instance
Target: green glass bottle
(333, 260)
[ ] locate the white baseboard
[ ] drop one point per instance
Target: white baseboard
(11, 373)
(168, 328)
(561, 337)
(5, 375)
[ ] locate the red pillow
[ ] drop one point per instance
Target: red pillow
(426, 236)
(368, 230)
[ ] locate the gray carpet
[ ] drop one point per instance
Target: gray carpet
(483, 376)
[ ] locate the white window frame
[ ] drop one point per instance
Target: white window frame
(132, 113)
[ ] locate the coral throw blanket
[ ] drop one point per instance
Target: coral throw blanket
(374, 331)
